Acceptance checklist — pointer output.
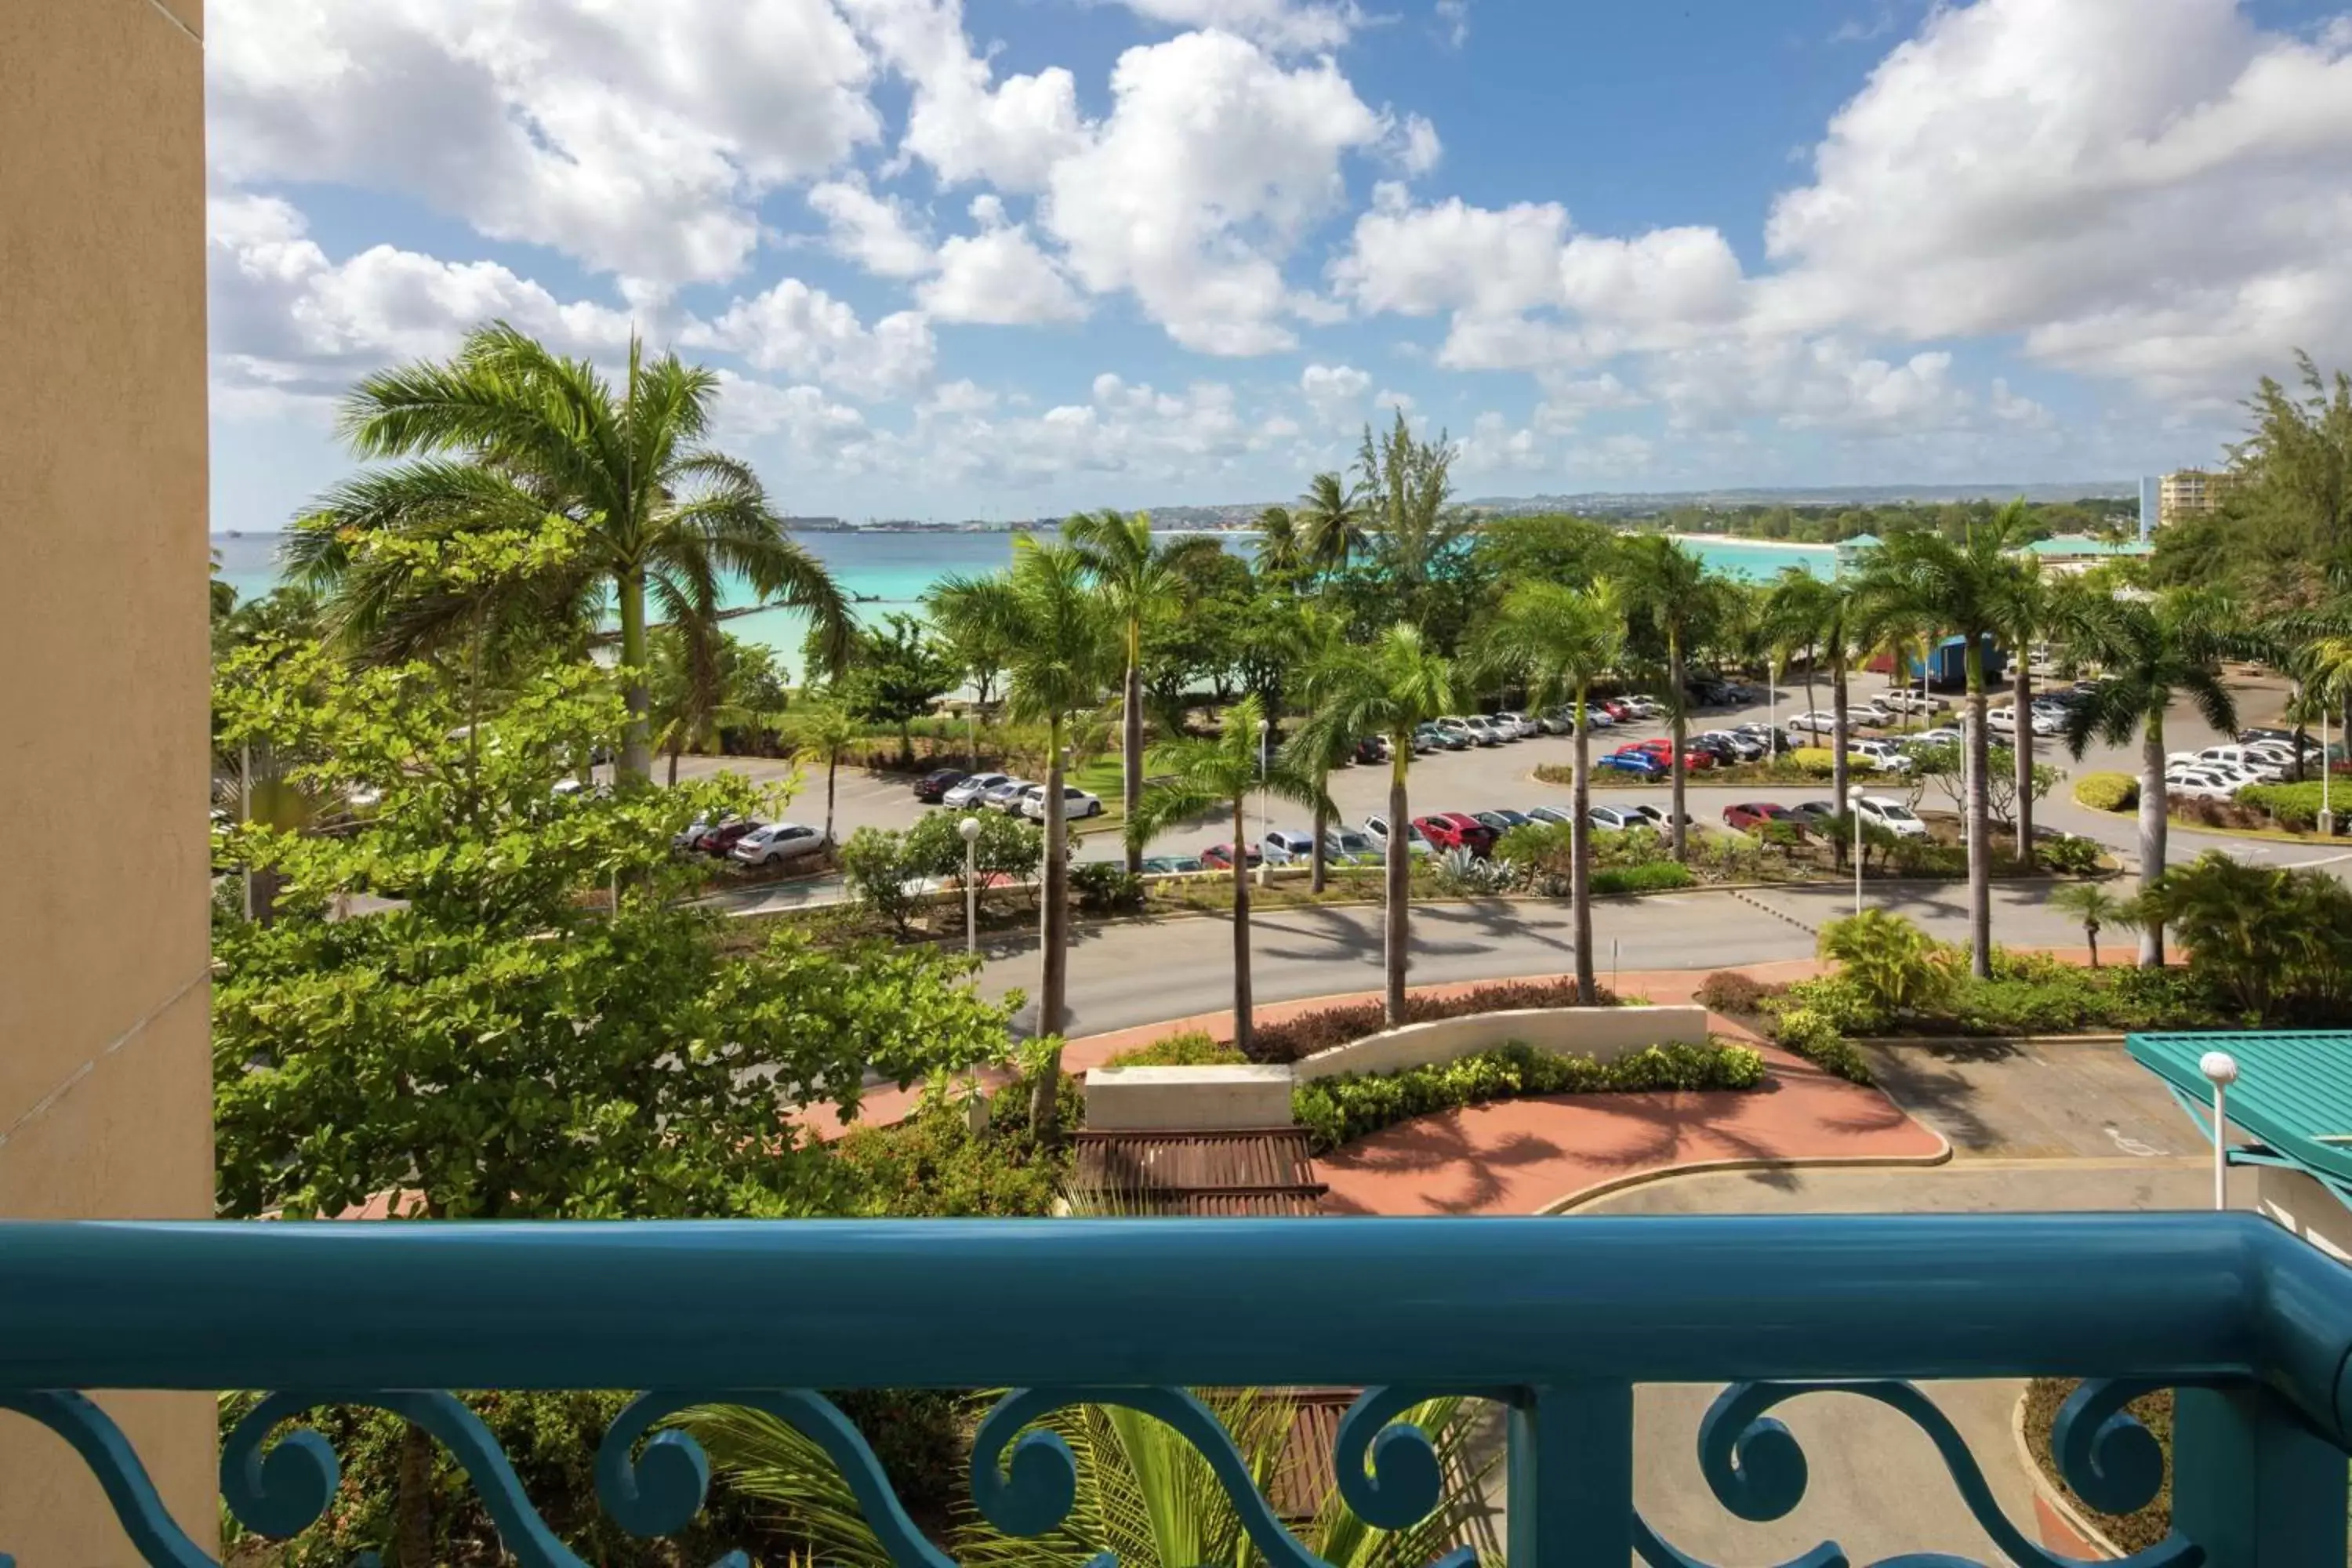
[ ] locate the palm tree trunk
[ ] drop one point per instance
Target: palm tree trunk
(673, 767)
(1319, 863)
(1980, 838)
(1130, 740)
(1813, 657)
(1677, 727)
(2091, 936)
(1242, 1011)
(1841, 771)
(1053, 982)
(1580, 856)
(832, 768)
(2153, 807)
(2020, 691)
(1398, 930)
(637, 755)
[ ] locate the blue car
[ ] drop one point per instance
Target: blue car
(1638, 763)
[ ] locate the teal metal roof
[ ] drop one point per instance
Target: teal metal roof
(1859, 541)
(2294, 1089)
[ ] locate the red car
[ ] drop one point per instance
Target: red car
(1755, 814)
(1220, 856)
(1456, 830)
(723, 838)
(1615, 709)
(1664, 750)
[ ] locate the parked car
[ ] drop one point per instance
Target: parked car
(1891, 815)
(1694, 760)
(1662, 820)
(1453, 738)
(1521, 726)
(969, 791)
(1556, 721)
(2279, 737)
(1945, 736)
(1170, 864)
(1006, 797)
(2003, 721)
(1616, 819)
(1376, 828)
(723, 835)
(1640, 763)
(1911, 699)
(1284, 846)
(1883, 756)
(1371, 749)
(1820, 721)
(1603, 716)
(1875, 711)
(777, 842)
(682, 839)
(1346, 846)
(1220, 858)
(1502, 819)
(1816, 814)
(2200, 783)
(1481, 731)
(1639, 707)
(1742, 748)
(1750, 814)
(2244, 758)
(1458, 830)
(934, 786)
(1765, 736)
(1076, 803)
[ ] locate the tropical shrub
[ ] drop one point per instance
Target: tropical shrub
(1926, 858)
(1658, 876)
(1813, 761)
(2274, 942)
(2107, 792)
(2295, 806)
(1192, 1049)
(1008, 849)
(1735, 991)
(933, 1163)
(1105, 888)
(1895, 965)
(1810, 1035)
(1461, 874)
(881, 873)
(1324, 1027)
(2070, 855)
(1338, 1110)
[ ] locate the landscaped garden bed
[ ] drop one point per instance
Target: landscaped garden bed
(2132, 1532)
(1322, 1028)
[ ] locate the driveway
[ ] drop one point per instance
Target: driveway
(2011, 1100)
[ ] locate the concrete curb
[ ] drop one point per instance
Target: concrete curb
(1711, 1167)
(2051, 1506)
(1917, 1042)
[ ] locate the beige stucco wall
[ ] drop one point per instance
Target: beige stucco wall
(2304, 1207)
(1193, 1099)
(1604, 1032)
(104, 1071)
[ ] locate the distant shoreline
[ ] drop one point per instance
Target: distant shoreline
(1737, 539)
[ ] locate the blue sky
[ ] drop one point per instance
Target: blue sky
(1016, 257)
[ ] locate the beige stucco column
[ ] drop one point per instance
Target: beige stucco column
(104, 1070)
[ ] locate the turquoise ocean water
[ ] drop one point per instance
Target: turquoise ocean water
(891, 570)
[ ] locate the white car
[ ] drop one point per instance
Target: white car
(1076, 802)
(777, 842)
(1876, 711)
(1600, 718)
(1947, 736)
(2198, 785)
(1551, 815)
(1821, 722)
(970, 790)
(1644, 707)
(1618, 819)
(1891, 815)
(1910, 700)
(1884, 755)
(2246, 759)
(1485, 732)
(1521, 725)
(2003, 721)
(1287, 846)
(1376, 828)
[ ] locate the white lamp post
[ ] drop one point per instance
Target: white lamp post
(2221, 1070)
(969, 828)
(1853, 809)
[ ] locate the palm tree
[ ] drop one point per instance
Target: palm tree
(1390, 689)
(1559, 640)
(1279, 555)
(1320, 641)
(2027, 613)
(1330, 523)
(827, 729)
(1061, 652)
(2097, 908)
(1140, 579)
(1146, 1496)
(506, 435)
(2151, 652)
(1195, 776)
(1920, 577)
(1668, 588)
(1798, 608)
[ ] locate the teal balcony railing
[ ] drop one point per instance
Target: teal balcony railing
(1558, 1320)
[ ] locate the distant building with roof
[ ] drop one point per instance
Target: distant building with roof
(1849, 552)
(2191, 492)
(2080, 552)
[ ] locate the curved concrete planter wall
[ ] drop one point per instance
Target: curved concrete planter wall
(1206, 1099)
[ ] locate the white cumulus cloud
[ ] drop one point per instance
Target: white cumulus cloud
(998, 277)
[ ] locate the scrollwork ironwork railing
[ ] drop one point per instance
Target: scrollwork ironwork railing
(1557, 1320)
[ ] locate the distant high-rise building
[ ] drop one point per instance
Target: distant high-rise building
(2189, 492)
(2150, 489)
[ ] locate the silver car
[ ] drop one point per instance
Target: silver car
(777, 842)
(969, 792)
(1006, 797)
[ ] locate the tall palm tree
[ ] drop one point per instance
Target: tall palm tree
(1331, 522)
(1825, 617)
(1669, 590)
(1140, 578)
(1797, 608)
(2150, 651)
(1389, 689)
(1194, 776)
(1559, 640)
(1923, 578)
(507, 434)
(1279, 553)
(1062, 652)
(2026, 618)
(1320, 641)
(827, 729)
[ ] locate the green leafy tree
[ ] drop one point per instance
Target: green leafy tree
(1557, 641)
(1140, 579)
(1409, 523)
(2151, 652)
(971, 614)
(1390, 689)
(1670, 592)
(1964, 584)
(2283, 533)
(1193, 777)
(507, 434)
(897, 672)
(2095, 909)
(1546, 547)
